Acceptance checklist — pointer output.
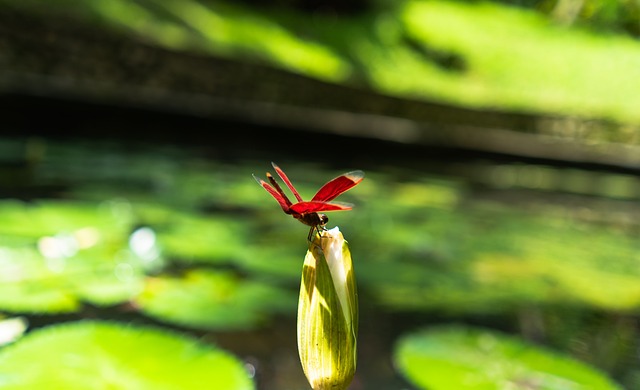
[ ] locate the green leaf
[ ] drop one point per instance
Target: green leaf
(467, 358)
(54, 255)
(53, 217)
(102, 355)
(32, 283)
(202, 239)
(205, 299)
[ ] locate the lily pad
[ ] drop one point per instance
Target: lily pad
(103, 355)
(206, 299)
(468, 358)
(490, 258)
(33, 283)
(202, 239)
(54, 217)
(56, 254)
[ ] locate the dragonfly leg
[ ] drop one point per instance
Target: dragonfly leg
(319, 229)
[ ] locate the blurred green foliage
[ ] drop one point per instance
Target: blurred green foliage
(203, 299)
(167, 235)
(479, 54)
(56, 254)
(603, 15)
(197, 244)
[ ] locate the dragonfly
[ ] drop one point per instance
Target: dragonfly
(310, 212)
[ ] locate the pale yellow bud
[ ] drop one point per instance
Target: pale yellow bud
(328, 313)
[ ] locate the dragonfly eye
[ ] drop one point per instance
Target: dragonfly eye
(324, 219)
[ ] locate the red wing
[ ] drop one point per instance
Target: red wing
(337, 186)
(277, 187)
(278, 195)
(286, 181)
(316, 206)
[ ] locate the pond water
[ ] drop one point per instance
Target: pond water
(179, 235)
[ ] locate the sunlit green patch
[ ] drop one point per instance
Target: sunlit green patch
(277, 263)
(224, 29)
(449, 357)
(31, 282)
(191, 237)
(478, 54)
(26, 285)
(560, 282)
(490, 258)
(204, 299)
(518, 59)
(240, 30)
(92, 355)
(56, 255)
(48, 218)
(428, 194)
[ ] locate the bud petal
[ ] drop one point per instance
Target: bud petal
(328, 313)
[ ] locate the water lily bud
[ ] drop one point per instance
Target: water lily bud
(328, 313)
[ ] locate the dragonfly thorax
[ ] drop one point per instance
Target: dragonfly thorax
(312, 219)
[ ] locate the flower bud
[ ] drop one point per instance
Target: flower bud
(328, 313)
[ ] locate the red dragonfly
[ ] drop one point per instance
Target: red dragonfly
(309, 212)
